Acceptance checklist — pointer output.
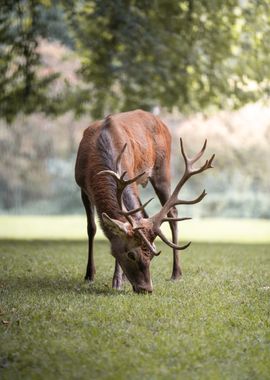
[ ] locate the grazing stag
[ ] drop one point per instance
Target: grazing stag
(114, 157)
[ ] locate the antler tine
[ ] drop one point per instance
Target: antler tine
(135, 210)
(183, 152)
(120, 181)
(134, 179)
(174, 219)
(110, 172)
(196, 200)
(199, 155)
(169, 243)
(211, 160)
(190, 161)
(148, 244)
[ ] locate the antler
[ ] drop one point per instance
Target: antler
(121, 184)
(161, 216)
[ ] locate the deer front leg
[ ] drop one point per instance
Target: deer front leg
(162, 189)
(91, 231)
(118, 276)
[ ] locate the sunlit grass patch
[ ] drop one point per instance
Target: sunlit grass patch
(74, 228)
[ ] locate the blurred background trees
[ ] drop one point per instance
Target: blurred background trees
(184, 54)
(63, 63)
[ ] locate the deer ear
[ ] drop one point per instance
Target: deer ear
(116, 226)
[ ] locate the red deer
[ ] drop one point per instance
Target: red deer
(115, 156)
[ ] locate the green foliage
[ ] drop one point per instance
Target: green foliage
(183, 54)
(213, 324)
(24, 88)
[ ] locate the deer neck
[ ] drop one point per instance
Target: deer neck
(105, 196)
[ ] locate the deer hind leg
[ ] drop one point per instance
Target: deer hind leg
(118, 276)
(91, 231)
(162, 189)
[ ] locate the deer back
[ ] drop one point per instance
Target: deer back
(148, 148)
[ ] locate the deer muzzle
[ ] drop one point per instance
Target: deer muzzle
(147, 288)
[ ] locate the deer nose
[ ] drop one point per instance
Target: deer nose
(143, 289)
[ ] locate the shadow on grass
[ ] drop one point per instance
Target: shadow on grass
(55, 282)
(60, 286)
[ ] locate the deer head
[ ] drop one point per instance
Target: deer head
(133, 245)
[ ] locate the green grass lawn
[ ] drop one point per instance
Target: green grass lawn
(213, 324)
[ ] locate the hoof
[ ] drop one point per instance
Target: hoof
(89, 278)
(176, 277)
(117, 283)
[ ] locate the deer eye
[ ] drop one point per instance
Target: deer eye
(131, 255)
